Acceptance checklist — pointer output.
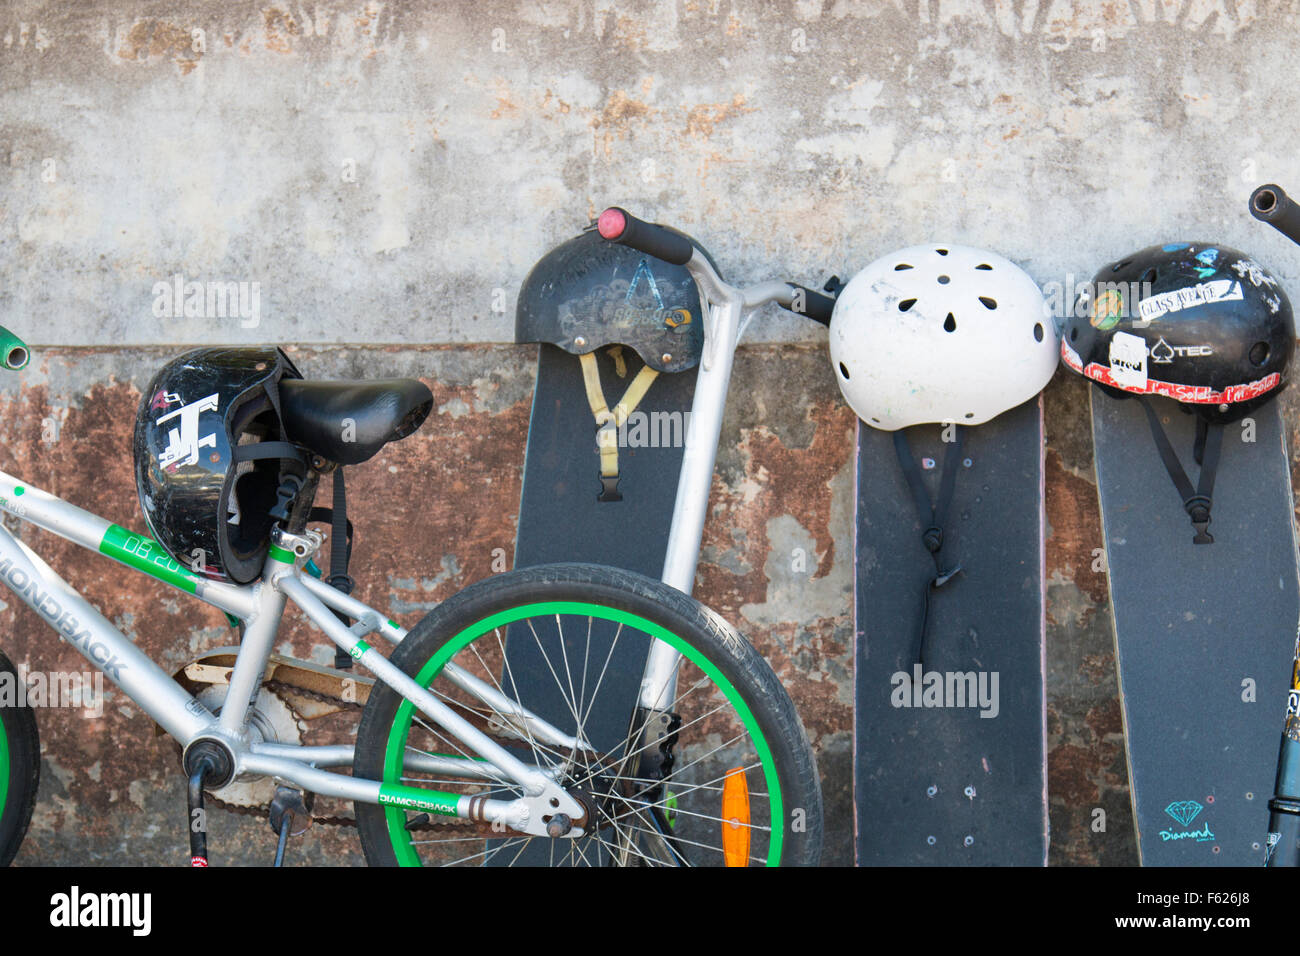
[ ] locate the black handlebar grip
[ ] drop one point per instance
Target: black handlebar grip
(1272, 205)
(814, 305)
(618, 225)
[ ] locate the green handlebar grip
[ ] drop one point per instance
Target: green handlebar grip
(14, 353)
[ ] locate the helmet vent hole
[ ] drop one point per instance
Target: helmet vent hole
(1074, 334)
(906, 304)
(970, 414)
(1120, 265)
(988, 303)
(902, 267)
(1149, 276)
(1259, 353)
(1038, 331)
(942, 252)
(950, 324)
(984, 267)
(944, 280)
(844, 371)
(876, 420)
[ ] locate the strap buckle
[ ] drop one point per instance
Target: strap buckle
(609, 489)
(1198, 509)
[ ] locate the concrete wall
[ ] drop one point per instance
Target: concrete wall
(383, 175)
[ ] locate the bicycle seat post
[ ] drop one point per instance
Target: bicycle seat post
(300, 507)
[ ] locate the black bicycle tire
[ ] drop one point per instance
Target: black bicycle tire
(623, 590)
(22, 742)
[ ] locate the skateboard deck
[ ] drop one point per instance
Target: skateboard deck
(1204, 634)
(560, 519)
(954, 774)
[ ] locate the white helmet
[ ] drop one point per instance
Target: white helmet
(941, 333)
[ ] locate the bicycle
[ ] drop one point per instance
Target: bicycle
(708, 765)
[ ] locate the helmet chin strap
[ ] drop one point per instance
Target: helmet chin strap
(933, 515)
(1209, 443)
(608, 423)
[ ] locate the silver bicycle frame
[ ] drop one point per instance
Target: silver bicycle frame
(260, 606)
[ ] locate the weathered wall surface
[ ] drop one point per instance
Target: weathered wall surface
(389, 172)
(376, 179)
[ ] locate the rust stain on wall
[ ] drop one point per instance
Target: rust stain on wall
(281, 29)
(793, 481)
(148, 39)
(1075, 525)
(701, 120)
(611, 124)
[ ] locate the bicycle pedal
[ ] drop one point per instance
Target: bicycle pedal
(290, 816)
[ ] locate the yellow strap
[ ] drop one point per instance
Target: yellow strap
(620, 363)
(608, 422)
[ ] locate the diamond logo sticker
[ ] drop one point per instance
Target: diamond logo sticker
(1184, 811)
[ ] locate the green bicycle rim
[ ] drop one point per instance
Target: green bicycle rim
(395, 817)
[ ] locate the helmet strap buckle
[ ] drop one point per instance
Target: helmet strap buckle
(609, 489)
(1198, 509)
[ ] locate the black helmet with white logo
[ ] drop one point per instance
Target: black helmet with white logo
(209, 453)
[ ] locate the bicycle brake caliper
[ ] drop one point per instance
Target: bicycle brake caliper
(654, 745)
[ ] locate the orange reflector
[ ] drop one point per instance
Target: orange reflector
(735, 818)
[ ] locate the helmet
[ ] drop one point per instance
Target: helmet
(206, 495)
(1200, 323)
(940, 333)
(588, 293)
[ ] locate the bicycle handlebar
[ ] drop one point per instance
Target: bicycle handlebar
(618, 225)
(816, 305)
(1272, 205)
(14, 353)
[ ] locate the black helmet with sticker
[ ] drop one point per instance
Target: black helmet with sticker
(1199, 323)
(209, 452)
(1203, 324)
